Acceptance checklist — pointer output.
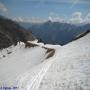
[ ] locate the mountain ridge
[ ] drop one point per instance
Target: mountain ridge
(11, 33)
(57, 33)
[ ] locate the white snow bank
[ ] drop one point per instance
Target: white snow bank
(45, 45)
(69, 69)
(19, 61)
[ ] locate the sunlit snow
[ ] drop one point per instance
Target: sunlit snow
(28, 68)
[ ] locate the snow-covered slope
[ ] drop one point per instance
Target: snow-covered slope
(69, 69)
(28, 68)
(17, 60)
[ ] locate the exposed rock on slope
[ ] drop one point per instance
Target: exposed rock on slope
(82, 35)
(11, 33)
(16, 60)
(69, 69)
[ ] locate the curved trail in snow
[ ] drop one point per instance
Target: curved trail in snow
(37, 79)
(32, 79)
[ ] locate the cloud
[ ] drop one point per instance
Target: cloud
(76, 18)
(76, 15)
(55, 17)
(74, 2)
(87, 18)
(3, 7)
(52, 17)
(29, 19)
(18, 19)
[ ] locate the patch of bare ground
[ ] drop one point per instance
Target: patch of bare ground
(29, 45)
(50, 52)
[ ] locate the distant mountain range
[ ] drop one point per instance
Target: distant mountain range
(49, 32)
(55, 32)
(11, 33)
(35, 66)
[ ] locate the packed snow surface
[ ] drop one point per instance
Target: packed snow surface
(68, 69)
(18, 61)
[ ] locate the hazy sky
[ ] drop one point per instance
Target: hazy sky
(45, 8)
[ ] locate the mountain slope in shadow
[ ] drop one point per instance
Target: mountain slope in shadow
(11, 33)
(57, 32)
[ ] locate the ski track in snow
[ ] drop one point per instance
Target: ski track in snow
(62, 73)
(71, 69)
(18, 62)
(37, 79)
(36, 75)
(68, 69)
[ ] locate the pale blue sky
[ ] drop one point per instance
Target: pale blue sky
(43, 8)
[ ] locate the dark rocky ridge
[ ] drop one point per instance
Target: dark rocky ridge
(81, 35)
(57, 32)
(11, 33)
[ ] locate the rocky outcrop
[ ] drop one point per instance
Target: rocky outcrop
(82, 35)
(11, 33)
